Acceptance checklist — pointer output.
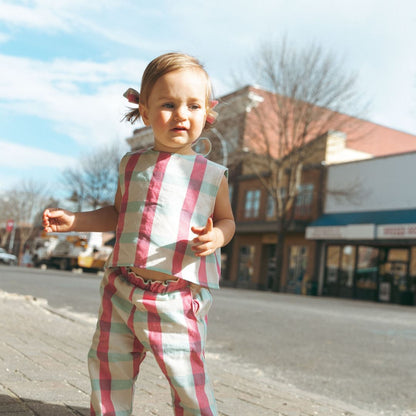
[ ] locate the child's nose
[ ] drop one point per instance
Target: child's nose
(181, 112)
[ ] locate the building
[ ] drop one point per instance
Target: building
(249, 261)
(367, 237)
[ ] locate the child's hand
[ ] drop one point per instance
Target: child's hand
(57, 220)
(207, 241)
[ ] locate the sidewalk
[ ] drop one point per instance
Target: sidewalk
(44, 373)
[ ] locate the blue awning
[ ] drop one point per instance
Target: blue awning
(405, 216)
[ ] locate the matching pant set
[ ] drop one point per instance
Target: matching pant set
(165, 318)
(163, 196)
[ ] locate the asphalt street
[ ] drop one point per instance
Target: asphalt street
(360, 353)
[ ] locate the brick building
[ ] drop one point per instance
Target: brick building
(249, 260)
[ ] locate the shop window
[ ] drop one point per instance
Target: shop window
(252, 204)
(346, 273)
(413, 262)
(333, 255)
(297, 268)
(367, 267)
(412, 271)
(398, 254)
(246, 263)
(396, 269)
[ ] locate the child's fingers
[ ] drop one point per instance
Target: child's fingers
(204, 230)
(203, 243)
(54, 212)
(54, 220)
(198, 230)
(203, 250)
(209, 225)
(48, 214)
(51, 213)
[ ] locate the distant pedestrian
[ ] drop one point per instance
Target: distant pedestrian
(171, 215)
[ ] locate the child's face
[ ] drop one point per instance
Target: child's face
(176, 110)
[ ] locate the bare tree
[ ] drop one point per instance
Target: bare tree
(24, 203)
(309, 92)
(93, 182)
(74, 182)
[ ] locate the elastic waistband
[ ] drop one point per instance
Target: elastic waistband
(155, 286)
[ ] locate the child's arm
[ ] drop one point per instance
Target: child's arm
(103, 219)
(219, 231)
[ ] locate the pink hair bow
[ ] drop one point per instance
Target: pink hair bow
(212, 115)
(132, 96)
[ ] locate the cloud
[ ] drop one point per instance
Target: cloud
(47, 14)
(107, 19)
(35, 17)
(83, 100)
(14, 155)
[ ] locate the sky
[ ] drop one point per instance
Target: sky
(64, 64)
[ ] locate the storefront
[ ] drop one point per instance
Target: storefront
(368, 255)
(254, 263)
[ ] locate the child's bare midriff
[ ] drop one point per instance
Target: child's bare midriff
(152, 275)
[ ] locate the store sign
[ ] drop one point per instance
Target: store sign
(361, 231)
(325, 233)
(396, 231)
(341, 232)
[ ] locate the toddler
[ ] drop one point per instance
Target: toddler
(171, 215)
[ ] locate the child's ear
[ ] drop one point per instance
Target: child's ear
(144, 114)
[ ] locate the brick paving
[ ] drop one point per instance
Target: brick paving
(44, 373)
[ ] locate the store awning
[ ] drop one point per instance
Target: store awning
(368, 225)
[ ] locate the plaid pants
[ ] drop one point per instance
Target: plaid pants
(166, 318)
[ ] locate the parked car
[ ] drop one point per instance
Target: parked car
(6, 258)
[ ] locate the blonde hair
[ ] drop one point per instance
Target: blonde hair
(163, 64)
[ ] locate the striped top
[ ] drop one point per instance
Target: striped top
(163, 195)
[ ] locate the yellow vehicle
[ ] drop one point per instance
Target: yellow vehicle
(67, 251)
(94, 259)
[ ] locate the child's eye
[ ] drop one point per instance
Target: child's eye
(194, 106)
(168, 105)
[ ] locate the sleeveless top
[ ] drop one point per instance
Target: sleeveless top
(163, 195)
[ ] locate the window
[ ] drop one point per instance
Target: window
(333, 255)
(413, 262)
(346, 276)
(304, 200)
(271, 207)
(413, 269)
(271, 203)
(252, 204)
(367, 267)
(397, 268)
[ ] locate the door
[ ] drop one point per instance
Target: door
(394, 276)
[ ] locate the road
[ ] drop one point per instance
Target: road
(361, 353)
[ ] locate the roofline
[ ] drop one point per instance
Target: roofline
(330, 165)
(264, 90)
